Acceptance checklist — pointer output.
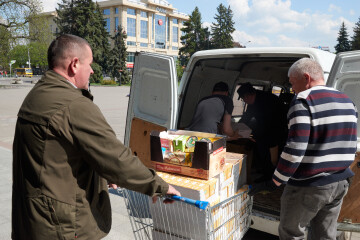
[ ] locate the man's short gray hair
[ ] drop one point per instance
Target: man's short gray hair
(309, 66)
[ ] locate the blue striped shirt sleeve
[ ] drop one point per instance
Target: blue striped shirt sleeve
(297, 142)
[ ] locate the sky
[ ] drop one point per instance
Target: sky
(276, 23)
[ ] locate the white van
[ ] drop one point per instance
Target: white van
(158, 102)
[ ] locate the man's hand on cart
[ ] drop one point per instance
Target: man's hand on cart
(171, 191)
(264, 187)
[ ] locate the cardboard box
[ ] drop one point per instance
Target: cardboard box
(193, 188)
(234, 175)
(242, 129)
(208, 158)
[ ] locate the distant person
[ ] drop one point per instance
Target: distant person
(65, 154)
(213, 113)
(314, 165)
(265, 116)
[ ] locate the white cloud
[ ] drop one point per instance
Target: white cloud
(334, 8)
(239, 7)
(352, 12)
(206, 24)
(49, 5)
(250, 41)
(276, 23)
(286, 41)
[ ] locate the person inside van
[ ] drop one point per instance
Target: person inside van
(267, 120)
(213, 113)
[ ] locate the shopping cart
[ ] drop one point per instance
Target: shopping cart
(229, 219)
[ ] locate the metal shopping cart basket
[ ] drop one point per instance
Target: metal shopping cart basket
(188, 219)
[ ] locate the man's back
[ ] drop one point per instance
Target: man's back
(209, 113)
(326, 120)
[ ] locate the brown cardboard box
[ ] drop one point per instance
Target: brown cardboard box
(208, 158)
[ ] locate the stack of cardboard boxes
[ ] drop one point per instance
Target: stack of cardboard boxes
(227, 217)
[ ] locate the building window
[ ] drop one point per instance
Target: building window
(175, 48)
(131, 43)
(130, 57)
(107, 27)
(131, 27)
(175, 21)
(106, 11)
(116, 20)
(143, 14)
(175, 34)
(160, 31)
(116, 10)
(143, 29)
(131, 11)
(143, 45)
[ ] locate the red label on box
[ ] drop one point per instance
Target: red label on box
(218, 150)
(167, 168)
(165, 143)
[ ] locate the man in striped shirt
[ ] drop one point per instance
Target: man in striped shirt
(315, 162)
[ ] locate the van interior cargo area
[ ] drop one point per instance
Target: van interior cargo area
(268, 72)
(265, 72)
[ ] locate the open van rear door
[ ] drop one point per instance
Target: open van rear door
(153, 101)
(345, 76)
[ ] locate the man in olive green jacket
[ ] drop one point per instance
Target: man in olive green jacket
(64, 153)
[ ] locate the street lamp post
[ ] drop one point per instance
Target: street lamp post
(11, 63)
(29, 59)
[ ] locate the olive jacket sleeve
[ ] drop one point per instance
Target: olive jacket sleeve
(106, 154)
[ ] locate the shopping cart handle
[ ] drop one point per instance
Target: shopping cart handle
(200, 204)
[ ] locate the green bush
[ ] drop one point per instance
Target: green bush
(108, 82)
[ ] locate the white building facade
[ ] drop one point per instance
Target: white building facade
(150, 25)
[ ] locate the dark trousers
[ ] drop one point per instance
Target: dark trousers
(315, 207)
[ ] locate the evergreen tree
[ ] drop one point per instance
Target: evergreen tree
(118, 56)
(355, 42)
(194, 38)
(343, 40)
(223, 28)
(84, 18)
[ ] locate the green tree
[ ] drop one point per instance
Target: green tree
(118, 56)
(4, 47)
(195, 37)
(179, 69)
(84, 18)
(343, 40)
(20, 54)
(15, 16)
(37, 52)
(355, 40)
(223, 28)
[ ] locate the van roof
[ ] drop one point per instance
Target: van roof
(323, 57)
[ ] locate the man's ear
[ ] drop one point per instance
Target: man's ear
(74, 65)
(307, 80)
